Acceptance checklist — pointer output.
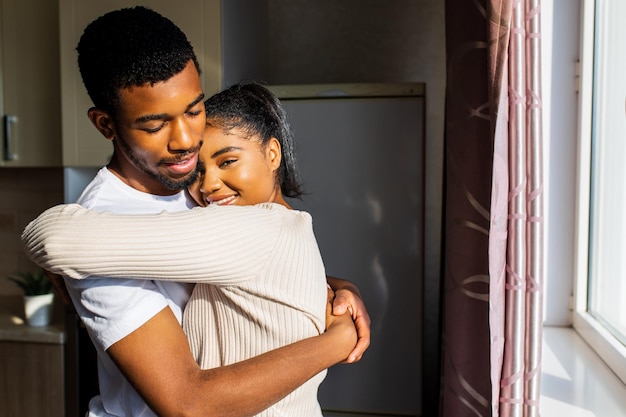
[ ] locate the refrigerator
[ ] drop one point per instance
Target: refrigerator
(360, 153)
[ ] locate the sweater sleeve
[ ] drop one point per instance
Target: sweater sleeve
(220, 245)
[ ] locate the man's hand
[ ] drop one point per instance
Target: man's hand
(59, 286)
(348, 298)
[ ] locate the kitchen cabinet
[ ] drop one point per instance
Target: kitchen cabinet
(29, 84)
(32, 381)
(228, 36)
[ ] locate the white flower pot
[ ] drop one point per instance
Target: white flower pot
(38, 309)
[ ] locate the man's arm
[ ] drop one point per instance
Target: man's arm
(348, 299)
(157, 361)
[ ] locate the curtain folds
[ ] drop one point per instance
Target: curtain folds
(493, 229)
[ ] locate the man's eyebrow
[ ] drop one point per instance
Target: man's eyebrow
(196, 101)
(161, 116)
(148, 117)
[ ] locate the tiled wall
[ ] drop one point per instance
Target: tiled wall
(24, 193)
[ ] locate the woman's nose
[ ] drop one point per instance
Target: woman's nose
(210, 182)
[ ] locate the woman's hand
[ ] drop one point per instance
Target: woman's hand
(341, 328)
(348, 299)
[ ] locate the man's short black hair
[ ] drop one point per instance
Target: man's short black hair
(130, 47)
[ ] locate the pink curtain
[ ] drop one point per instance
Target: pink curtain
(493, 241)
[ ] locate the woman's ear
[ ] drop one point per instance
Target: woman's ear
(102, 121)
(273, 154)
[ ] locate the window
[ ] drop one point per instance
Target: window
(600, 315)
(607, 228)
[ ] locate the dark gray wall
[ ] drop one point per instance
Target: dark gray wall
(348, 41)
(353, 41)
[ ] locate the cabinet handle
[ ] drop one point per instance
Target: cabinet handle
(9, 121)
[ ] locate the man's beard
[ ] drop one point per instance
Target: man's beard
(174, 184)
(170, 183)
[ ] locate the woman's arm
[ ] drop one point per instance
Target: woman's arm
(199, 245)
(221, 245)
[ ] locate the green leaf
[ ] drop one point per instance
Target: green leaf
(32, 283)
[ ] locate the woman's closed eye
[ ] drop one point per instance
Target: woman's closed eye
(227, 162)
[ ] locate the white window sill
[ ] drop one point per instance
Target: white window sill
(575, 382)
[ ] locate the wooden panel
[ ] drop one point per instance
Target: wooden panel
(31, 380)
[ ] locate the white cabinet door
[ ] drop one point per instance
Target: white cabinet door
(83, 146)
(29, 83)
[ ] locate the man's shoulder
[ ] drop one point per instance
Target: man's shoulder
(106, 192)
(97, 190)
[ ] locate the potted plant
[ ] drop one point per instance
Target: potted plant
(38, 296)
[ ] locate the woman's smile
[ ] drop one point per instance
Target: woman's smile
(222, 201)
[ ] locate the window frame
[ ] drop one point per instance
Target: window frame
(611, 350)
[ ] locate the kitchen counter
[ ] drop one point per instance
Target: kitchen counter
(13, 327)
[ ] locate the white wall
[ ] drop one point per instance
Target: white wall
(560, 34)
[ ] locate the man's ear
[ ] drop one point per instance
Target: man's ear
(102, 121)
(273, 154)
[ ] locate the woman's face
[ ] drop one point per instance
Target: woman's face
(236, 170)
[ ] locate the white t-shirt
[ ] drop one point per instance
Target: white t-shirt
(111, 309)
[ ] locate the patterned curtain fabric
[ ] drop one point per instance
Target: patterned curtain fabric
(493, 239)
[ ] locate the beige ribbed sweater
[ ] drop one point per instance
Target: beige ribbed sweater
(262, 280)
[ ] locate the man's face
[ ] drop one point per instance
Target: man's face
(158, 133)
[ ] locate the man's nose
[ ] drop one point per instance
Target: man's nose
(181, 136)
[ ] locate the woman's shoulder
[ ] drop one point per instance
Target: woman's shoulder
(285, 211)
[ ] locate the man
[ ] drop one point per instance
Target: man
(143, 78)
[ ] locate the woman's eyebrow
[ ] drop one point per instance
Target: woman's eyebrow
(225, 150)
